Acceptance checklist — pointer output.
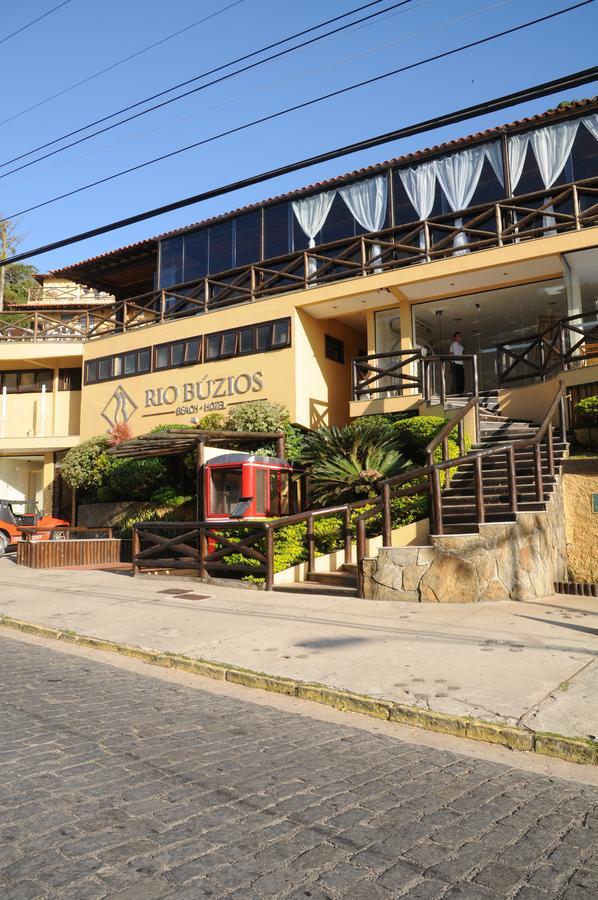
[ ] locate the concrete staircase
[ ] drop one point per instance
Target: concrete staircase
(342, 583)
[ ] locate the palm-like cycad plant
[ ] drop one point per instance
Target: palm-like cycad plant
(346, 464)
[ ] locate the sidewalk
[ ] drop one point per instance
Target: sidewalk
(528, 664)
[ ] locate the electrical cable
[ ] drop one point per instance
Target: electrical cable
(119, 62)
(187, 93)
(289, 109)
(34, 21)
(566, 82)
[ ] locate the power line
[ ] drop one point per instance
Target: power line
(294, 108)
(34, 21)
(200, 88)
(120, 62)
(566, 82)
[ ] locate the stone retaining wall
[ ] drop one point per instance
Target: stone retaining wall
(511, 561)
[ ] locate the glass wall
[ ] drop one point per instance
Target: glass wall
(470, 176)
(507, 315)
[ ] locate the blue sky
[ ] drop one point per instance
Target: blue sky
(83, 37)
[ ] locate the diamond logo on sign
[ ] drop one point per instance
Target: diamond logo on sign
(119, 408)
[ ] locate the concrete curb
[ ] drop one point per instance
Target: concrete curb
(571, 749)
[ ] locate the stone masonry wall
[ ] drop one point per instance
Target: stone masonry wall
(511, 561)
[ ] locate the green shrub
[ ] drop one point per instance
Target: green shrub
(586, 412)
(183, 512)
(416, 433)
(213, 421)
(84, 466)
(132, 479)
(169, 496)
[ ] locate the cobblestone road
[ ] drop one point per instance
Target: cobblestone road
(117, 784)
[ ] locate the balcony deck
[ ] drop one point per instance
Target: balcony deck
(571, 207)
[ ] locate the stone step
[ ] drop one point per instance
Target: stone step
(340, 579)
(468, 510)
(310, 587)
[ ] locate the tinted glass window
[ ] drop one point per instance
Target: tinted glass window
(162, 357)
(276, 230)
(246, 340)
(105, 368)
(44, 379)
(247, 239)
(192, 351)
(335, 349)
(92, 371)
(339, 222)
(130, 363)
(228, 343)
(9, 381)
(264, 333)
(177, 354)
(281, 333)
(213, 346)
(489, 187)
(171, 261)
(144, 360)
(26, 382)
(585, 157)
(196, 255)
(221, 247)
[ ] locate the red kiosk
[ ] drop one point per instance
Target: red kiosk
(244, 486)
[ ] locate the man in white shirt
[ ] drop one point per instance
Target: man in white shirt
(457, 365)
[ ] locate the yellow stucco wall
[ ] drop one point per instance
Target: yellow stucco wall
(580, 482)
(312, 388)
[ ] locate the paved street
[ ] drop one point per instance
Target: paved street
(119, 784)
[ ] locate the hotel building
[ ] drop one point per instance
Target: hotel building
(328, 300)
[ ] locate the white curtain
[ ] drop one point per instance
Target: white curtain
(458, 175)
(493, 152)
(367, 201)
(591, 123)
(552, 146)
(517, 150)
(311, 213)
(420, 187)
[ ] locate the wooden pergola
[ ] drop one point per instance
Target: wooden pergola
(181, 441)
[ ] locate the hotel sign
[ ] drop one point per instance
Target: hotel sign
(205, 395)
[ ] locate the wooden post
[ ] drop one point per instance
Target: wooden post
(576, 208)
(550, 449)
(512, 478)
(203, 552)
(538, 473)
(445, 456)
(436, 501)
(200, 511)
(269, 558)
(479, 490)
(442, 382)
(347, 534)
(498, 221)
(360, 541)
(280, 446)
(386, 517)
(311, 550)
(135, 548)
(563, 418)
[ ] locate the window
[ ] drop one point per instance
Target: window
(69, 379)
(247, 239)
(221, 247)
(334, 349)
(225, 489)
(276, 230)
(196, 255)
(178, 353)
(249, 339)
(171, 262)
(134, 362)
(26, 382)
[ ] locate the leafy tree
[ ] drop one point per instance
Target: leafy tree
(132, 479)
(346, 464)
(18, 282)
(84, 466)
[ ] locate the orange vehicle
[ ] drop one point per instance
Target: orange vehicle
(19, 516)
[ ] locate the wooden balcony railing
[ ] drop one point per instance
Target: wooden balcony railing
(409, 373)
(570, 207)
(570, 343)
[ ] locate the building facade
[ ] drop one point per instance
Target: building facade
(337, 300)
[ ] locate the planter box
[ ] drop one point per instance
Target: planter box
(57, 554)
